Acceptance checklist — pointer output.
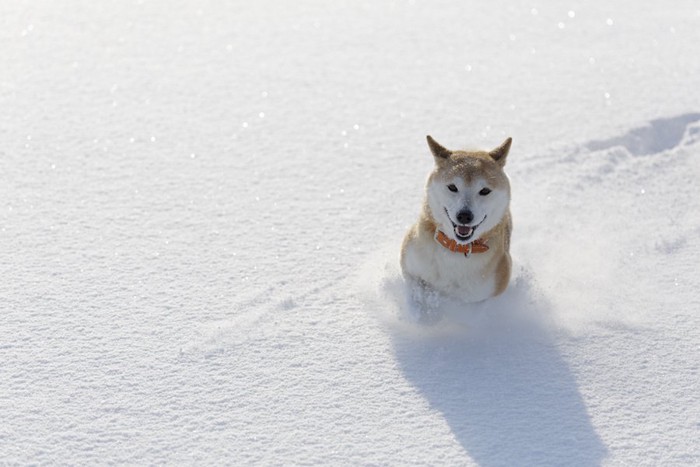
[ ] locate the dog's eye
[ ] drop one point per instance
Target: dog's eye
(485, 191)
(452, 188)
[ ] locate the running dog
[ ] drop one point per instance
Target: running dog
(460, 244)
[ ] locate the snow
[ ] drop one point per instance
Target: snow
(201, 206)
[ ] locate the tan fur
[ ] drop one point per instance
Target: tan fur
(494, 266)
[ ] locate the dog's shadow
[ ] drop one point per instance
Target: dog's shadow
(502, 385)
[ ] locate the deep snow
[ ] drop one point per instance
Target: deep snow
(202, 205)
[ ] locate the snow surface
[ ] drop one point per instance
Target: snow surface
(201, 205)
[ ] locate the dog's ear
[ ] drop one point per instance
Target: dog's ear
(438, 151)
(501, 152)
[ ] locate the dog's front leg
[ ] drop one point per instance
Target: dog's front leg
(423, 301)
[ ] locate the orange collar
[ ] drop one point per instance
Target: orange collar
(477, 246)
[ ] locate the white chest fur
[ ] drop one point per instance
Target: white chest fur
(467, 278)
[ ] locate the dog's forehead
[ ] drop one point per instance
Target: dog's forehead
(472, 166)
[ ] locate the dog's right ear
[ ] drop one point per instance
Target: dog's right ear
(438, 151)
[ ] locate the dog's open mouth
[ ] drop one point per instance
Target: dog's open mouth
(463, 232)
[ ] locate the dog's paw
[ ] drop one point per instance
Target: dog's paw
(424, 303)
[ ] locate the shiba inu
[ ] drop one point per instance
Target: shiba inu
(460, 244)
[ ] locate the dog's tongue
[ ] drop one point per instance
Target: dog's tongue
(464, 230)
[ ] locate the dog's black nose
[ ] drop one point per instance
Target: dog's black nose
(465, 216)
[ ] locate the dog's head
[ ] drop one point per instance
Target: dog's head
(468, 192)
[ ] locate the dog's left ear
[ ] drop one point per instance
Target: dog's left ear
(501, 152)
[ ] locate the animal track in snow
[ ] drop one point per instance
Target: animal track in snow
(657, 136)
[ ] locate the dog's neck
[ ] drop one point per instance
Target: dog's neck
(480, 245)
